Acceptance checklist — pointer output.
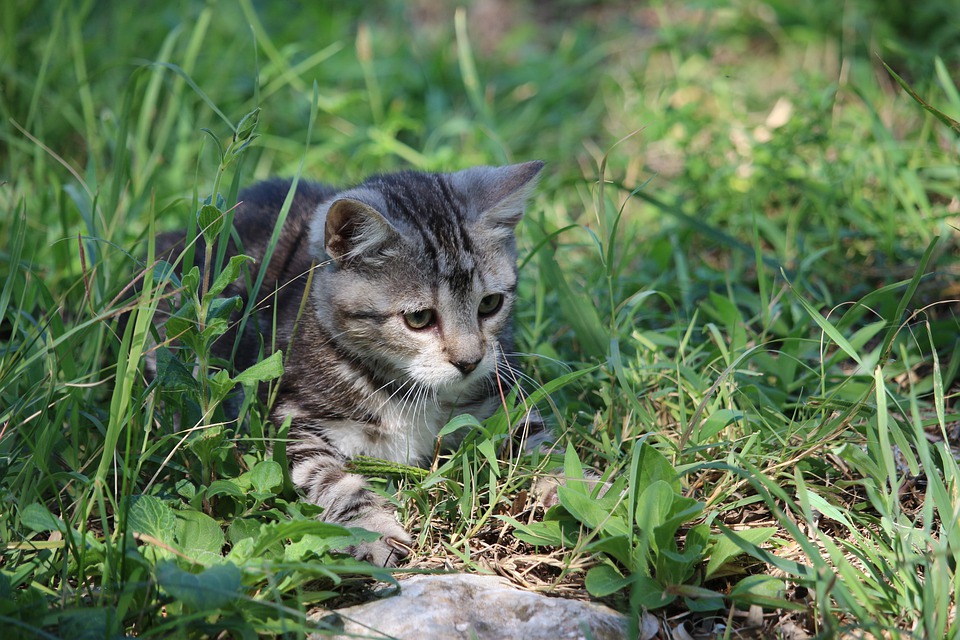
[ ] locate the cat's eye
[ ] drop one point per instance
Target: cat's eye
(490, 304)
(420, 319)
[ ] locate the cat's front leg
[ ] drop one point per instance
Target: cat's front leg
(317, 469)
(537, 437)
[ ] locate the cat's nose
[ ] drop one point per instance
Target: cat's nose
(466, 366)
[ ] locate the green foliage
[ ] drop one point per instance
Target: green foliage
(634, 524)
(739, 282)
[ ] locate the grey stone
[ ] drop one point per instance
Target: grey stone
(466, 606)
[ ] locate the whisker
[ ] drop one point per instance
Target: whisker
(391, 396)
(525, 354)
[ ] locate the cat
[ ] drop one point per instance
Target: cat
(407, 322)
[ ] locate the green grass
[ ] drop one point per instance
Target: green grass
(738, 302)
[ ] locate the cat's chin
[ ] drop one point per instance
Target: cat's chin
(452, 383)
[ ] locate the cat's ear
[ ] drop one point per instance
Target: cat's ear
(354, 229)
(498, 194)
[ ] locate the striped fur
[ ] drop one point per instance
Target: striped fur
(359, 378)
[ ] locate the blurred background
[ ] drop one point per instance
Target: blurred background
(746, 228)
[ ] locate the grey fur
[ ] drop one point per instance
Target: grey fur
(358, 379)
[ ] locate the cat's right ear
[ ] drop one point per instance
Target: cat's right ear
(498, 194)
(354, 228)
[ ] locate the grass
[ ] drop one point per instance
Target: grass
(739, 302)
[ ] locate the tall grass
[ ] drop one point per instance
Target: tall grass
(739, 305)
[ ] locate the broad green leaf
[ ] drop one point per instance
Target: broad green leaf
(572, 469)
(353, 535)
(199, 537)
(651, 467)
(210, 221)
(190, 281)
(270, 368)
(266, 476)
(700, 599)
(214, 328)
(590, 511)
(459, 422)
(208, 443)
(273, 533)
(173, 374)
(604, 579)
(726, 311)
(165, 272)
(221, 308)
(247, 126)
(186, 489)
(716, 422)
(647, 592)
(763, 590)
(220, 385)
(151, 516)
(225, 488)
(182, 322)
(211, 589)
(654, 506)
(310, 547)
(682, 510)
(674, 567)
(725, 549)
(541, 534)
(242, 551)
(230, 273)
(38, 518)
(864, 336)
(83, 624)
(243, 529)
(698, 537)
(618, 548)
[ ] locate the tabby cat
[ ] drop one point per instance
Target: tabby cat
(406, 324)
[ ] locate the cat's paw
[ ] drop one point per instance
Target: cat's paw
(393, 545)
(544, 487)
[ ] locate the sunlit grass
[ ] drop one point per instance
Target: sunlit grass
(738, 286)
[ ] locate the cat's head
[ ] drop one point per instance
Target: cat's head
(421, 273)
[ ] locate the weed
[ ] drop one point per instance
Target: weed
(738, 291)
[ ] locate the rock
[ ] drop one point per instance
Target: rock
(449, 607)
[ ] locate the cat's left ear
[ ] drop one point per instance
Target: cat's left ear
(354, 229)
(497, 194)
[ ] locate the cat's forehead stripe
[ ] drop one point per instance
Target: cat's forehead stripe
(427, 204)
(400, 206)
